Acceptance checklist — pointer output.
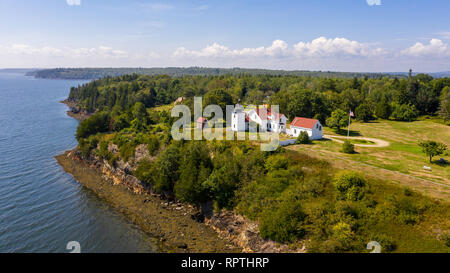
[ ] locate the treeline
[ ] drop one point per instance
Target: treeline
(97, 73)
(398, 99)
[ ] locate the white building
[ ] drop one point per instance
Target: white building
(265, 118)
(311, 126)
(239, 120)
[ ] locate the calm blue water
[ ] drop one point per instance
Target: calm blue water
(41, 207)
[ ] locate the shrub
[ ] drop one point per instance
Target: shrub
(97, 123)
(404, 112)
(276, 162)
(103, 151)
(348, 147)
(113, 160)
(145, 172)
(127, 151)
(153, 145)
(303, 138)
(87, 145)
(350, 185)
(343, 235)
(446, 239)
(387, 243)
(283, 223)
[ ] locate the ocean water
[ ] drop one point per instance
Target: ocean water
(42, 208)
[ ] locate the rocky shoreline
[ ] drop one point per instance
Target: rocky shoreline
(180, 227)
(76, 111)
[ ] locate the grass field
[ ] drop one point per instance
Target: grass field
(402, 156)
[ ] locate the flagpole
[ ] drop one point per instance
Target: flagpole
(348, 129)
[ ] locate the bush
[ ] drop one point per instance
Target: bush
(145, 172)
(276, 162)
(404, 112)
(98, 123)
(87, 145)
(386, 242)
(127, 151)
(112, 161)
(446, 239)
(103, 151)
(343, 235)
(348, 147)
(350, 185)
(303, 138)
(283, 223)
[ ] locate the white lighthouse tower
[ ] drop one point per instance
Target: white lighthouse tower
(238, 119)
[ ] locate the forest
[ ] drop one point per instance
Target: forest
(310, 97)
(296, 199)
(97, 73)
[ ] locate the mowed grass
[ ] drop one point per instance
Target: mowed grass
(402, 155)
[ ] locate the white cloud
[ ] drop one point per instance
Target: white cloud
(323, 47)
(73, 2)
(374, 2)
(320, 47)
(278, 48)
(435, 48)
(67, 52)
(329, 54)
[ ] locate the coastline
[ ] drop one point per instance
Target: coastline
(75, 111)
(172, 222)
(180, 227)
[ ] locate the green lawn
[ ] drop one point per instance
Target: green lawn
(402, 155)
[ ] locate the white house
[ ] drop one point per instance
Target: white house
(269, 120)
(311, 126)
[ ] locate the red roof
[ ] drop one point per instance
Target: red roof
(202, 120)
(304, 122)
(264, 113)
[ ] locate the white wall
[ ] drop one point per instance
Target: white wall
(314, 134)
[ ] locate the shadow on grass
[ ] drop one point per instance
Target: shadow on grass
(441, 163)
(343, 132)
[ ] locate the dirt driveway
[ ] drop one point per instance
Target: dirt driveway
(378, 143)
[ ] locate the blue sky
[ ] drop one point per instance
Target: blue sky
(339, 35)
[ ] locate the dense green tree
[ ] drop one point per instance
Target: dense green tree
(364, 112)
(404, 112)
(97, 123)
(338, 119)
(217, 97)
(444, 108)
(195, 168)
(432, 148)
(383, 109)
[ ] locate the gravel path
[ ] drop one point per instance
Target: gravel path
(378, 142)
